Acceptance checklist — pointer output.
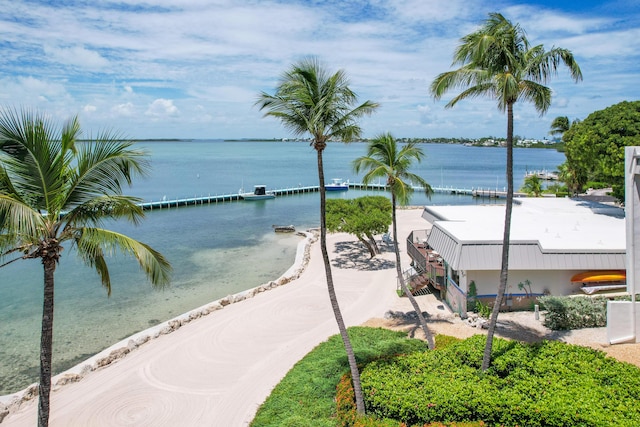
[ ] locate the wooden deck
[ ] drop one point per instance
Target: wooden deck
(428, 264)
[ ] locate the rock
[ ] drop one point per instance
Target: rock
(112, 357)
(143, 339)
(68, 378)
(215, 306)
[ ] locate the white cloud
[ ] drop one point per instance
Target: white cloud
(162, 108)
(123, 110)
(77, 56)
(128, 66)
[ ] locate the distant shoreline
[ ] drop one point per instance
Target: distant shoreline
(471, 142)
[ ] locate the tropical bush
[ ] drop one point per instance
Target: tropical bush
(563, 313)
(595, 147)
(544, 384)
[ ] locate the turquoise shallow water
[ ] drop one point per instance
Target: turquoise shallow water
(216, 250)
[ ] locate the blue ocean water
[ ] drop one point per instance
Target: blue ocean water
(215, 249)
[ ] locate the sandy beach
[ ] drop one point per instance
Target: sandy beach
(220, 365)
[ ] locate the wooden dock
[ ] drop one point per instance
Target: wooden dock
(223, 198)
(494, 194)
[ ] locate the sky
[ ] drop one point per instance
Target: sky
(195, 68)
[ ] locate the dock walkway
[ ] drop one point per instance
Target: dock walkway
(222, 198)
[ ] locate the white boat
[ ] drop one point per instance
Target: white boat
(543, 174)
(337, 184)
(259, 193)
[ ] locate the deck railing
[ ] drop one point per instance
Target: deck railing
(417, 240)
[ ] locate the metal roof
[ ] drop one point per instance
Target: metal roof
(546, 234)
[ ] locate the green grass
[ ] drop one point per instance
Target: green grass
(306, 396)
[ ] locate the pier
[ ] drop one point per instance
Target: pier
(223, 198)
(208, 200)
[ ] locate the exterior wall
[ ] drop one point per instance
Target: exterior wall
(623, 322)
(553, 282)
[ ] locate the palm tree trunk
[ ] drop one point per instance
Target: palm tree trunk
(504, 270)
(353, 366)
(46, 344)
(405, 289)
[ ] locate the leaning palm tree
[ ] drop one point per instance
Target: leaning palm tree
(384, 159)
(54, 194)
(310, 100)
(497, 61)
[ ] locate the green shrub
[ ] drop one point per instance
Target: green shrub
(545, 384)
(565, 313)
(472, 296)
(595, 185)
(483, 310)
(443, 341)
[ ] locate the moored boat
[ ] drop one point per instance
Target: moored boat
(337, 184)
(543, 174)
(284, 228)
(259, 193)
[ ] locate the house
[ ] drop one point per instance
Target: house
(558, 246)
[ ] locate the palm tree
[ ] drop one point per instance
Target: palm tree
(54, 194)
(571, 178)
(497, 61)
(385, 160)
(559, 126)
(532, 185)
(310, 100)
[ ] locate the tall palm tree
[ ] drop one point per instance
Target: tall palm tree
(309, 99)
(497, 61)
(54, 194)
(384, 159)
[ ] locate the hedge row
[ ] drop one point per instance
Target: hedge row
(545, 384)
(565, 313)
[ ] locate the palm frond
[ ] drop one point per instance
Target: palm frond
(499, 54)
(310, 100)
(35, 164)
(94, 244)
(103, 167)
(20, 221)
(70, 133)
(537, 94)
(385, 160)
(92, 212)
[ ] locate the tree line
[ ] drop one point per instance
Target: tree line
(595, 146)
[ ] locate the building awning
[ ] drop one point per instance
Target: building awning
(600, 276)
